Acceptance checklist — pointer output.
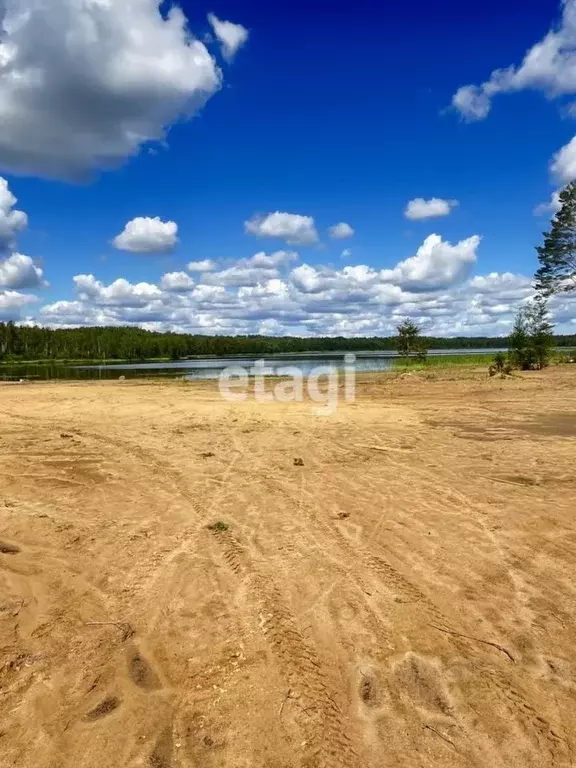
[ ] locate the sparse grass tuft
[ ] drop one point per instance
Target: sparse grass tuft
(218, 526)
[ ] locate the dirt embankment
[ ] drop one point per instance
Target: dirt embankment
(402, 595)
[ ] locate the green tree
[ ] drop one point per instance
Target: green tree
(409, 341)
(557, 256)
(531, 341)
(519, 342)
(540, 329)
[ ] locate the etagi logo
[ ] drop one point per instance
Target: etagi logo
(320, 384)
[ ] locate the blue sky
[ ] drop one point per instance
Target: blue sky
(335, 115)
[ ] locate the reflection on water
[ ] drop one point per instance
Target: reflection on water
(211, 367)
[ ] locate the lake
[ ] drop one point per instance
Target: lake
(212, 367)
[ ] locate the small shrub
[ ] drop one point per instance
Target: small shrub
(218, 526)
(499, 361)
(501, 366)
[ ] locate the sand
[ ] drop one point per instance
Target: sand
(401, 595)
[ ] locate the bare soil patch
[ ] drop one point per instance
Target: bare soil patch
(190, 582)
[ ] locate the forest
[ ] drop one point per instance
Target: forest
(136, 344)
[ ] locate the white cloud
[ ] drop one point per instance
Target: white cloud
(12, 302)
(310, 300)
(19, 271)
(420, 209)
(551, 207)
(437, 264)
(308, 279)
(11, 221)
(100, 77)
(549, 66)
(346, 253)
(273, 288)
(230, 36)
(69, 313)
(252, 271)
(176, 281)
(270, 327)
(261, 267)
(269, 293)
(273, 260)
(563, 164)
(291, 227)
(147, 235)
(120, 292)
(16, 269)
(206, 265)
(341, 231)
(240, 274)
(506, 285)
(563, 171)
(471, 102)
(211, 294)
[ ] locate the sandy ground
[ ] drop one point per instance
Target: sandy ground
(403, 596)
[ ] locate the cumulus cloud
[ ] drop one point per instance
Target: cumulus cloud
(563, 171)
(437, 264)
(12, 222)
(420, 209)
(70, 314)
(346, 253)
(310, 300)
(506, 285)
(563, 164)
(147, 235)
(549, 66)
(206, 265)
(291, 227)
(309, 279)
(16, 269)
(270, 291)
(12, 302)
(340, 231)
(99, 79)
(272, 260)
(230, 36)
(240, 274)
(249, 272)
(19, 271)
(119, 293)
(176, 281)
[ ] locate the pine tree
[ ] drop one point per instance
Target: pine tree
(409, 340)
(540, 329)
(557, 256)
(531, 341)
(519, 350)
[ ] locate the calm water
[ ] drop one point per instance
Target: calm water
(211, 367)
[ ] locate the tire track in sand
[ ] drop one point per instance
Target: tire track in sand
(318, 714)
(539, 729)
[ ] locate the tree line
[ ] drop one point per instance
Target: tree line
(132, 343)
